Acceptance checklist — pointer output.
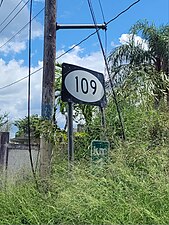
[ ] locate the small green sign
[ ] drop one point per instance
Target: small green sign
(99, 151)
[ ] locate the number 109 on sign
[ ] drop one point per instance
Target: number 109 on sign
(82, 85)
(85, 85)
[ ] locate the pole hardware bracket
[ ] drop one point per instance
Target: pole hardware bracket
(81, 26)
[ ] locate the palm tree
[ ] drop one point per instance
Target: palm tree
(148, 58)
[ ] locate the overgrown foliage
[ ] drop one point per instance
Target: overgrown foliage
(38, 126)
(22, 125)
(133, 187)
(146, 59)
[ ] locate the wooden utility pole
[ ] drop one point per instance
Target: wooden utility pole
(48, 91)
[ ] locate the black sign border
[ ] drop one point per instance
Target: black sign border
(66, 95)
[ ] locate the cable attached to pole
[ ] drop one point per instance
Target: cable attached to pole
(29, 93)
(102, 111)
(109, 75)
(102, 12)
(85, 39)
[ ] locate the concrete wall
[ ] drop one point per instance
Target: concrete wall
(15, 158)
(18, 165)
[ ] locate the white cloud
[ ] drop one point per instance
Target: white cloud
(12, 28)
(14, 46)
(92, 61)
(14, 98)
(114, 45)
(126, 38)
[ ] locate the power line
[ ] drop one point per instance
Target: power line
(105, 44)
(108, 71)
(103, 122)
(29, 92)
(74, 46)
(125, 10)
(105, 59)
(15, 82)
(82, 41)
(23, 78)
(14, 17)
(102, 12)
(105, 35)
(9, 40)
(10, 13)
(1, 3)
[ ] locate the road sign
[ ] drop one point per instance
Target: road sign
(81, 85)
(99, 151)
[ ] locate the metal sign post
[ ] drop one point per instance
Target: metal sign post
(70, 133)
(83, 86)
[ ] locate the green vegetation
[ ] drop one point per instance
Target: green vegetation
(22, 125)
(145, 61)
(133, 187)
(81, 112)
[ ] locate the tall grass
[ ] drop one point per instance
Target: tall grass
(133, 188)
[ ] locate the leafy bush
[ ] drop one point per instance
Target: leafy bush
(22, 125)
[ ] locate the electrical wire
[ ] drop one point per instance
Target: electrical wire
(14, 17)
(108, 71)
(105, 44)
(102, 111)
(104, 21)
(105, 33)
(102, 12)
(9, 40)
(29, 90)
(125, 10)
(74, 46)
(10, 13)
(1, 3)
(23, 78)
(15, 82)
(29, 94)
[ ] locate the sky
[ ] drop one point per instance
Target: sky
(14, 52)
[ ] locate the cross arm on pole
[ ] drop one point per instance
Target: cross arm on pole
(81, 26)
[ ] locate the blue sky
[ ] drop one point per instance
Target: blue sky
(14, 55)
(77, 11)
